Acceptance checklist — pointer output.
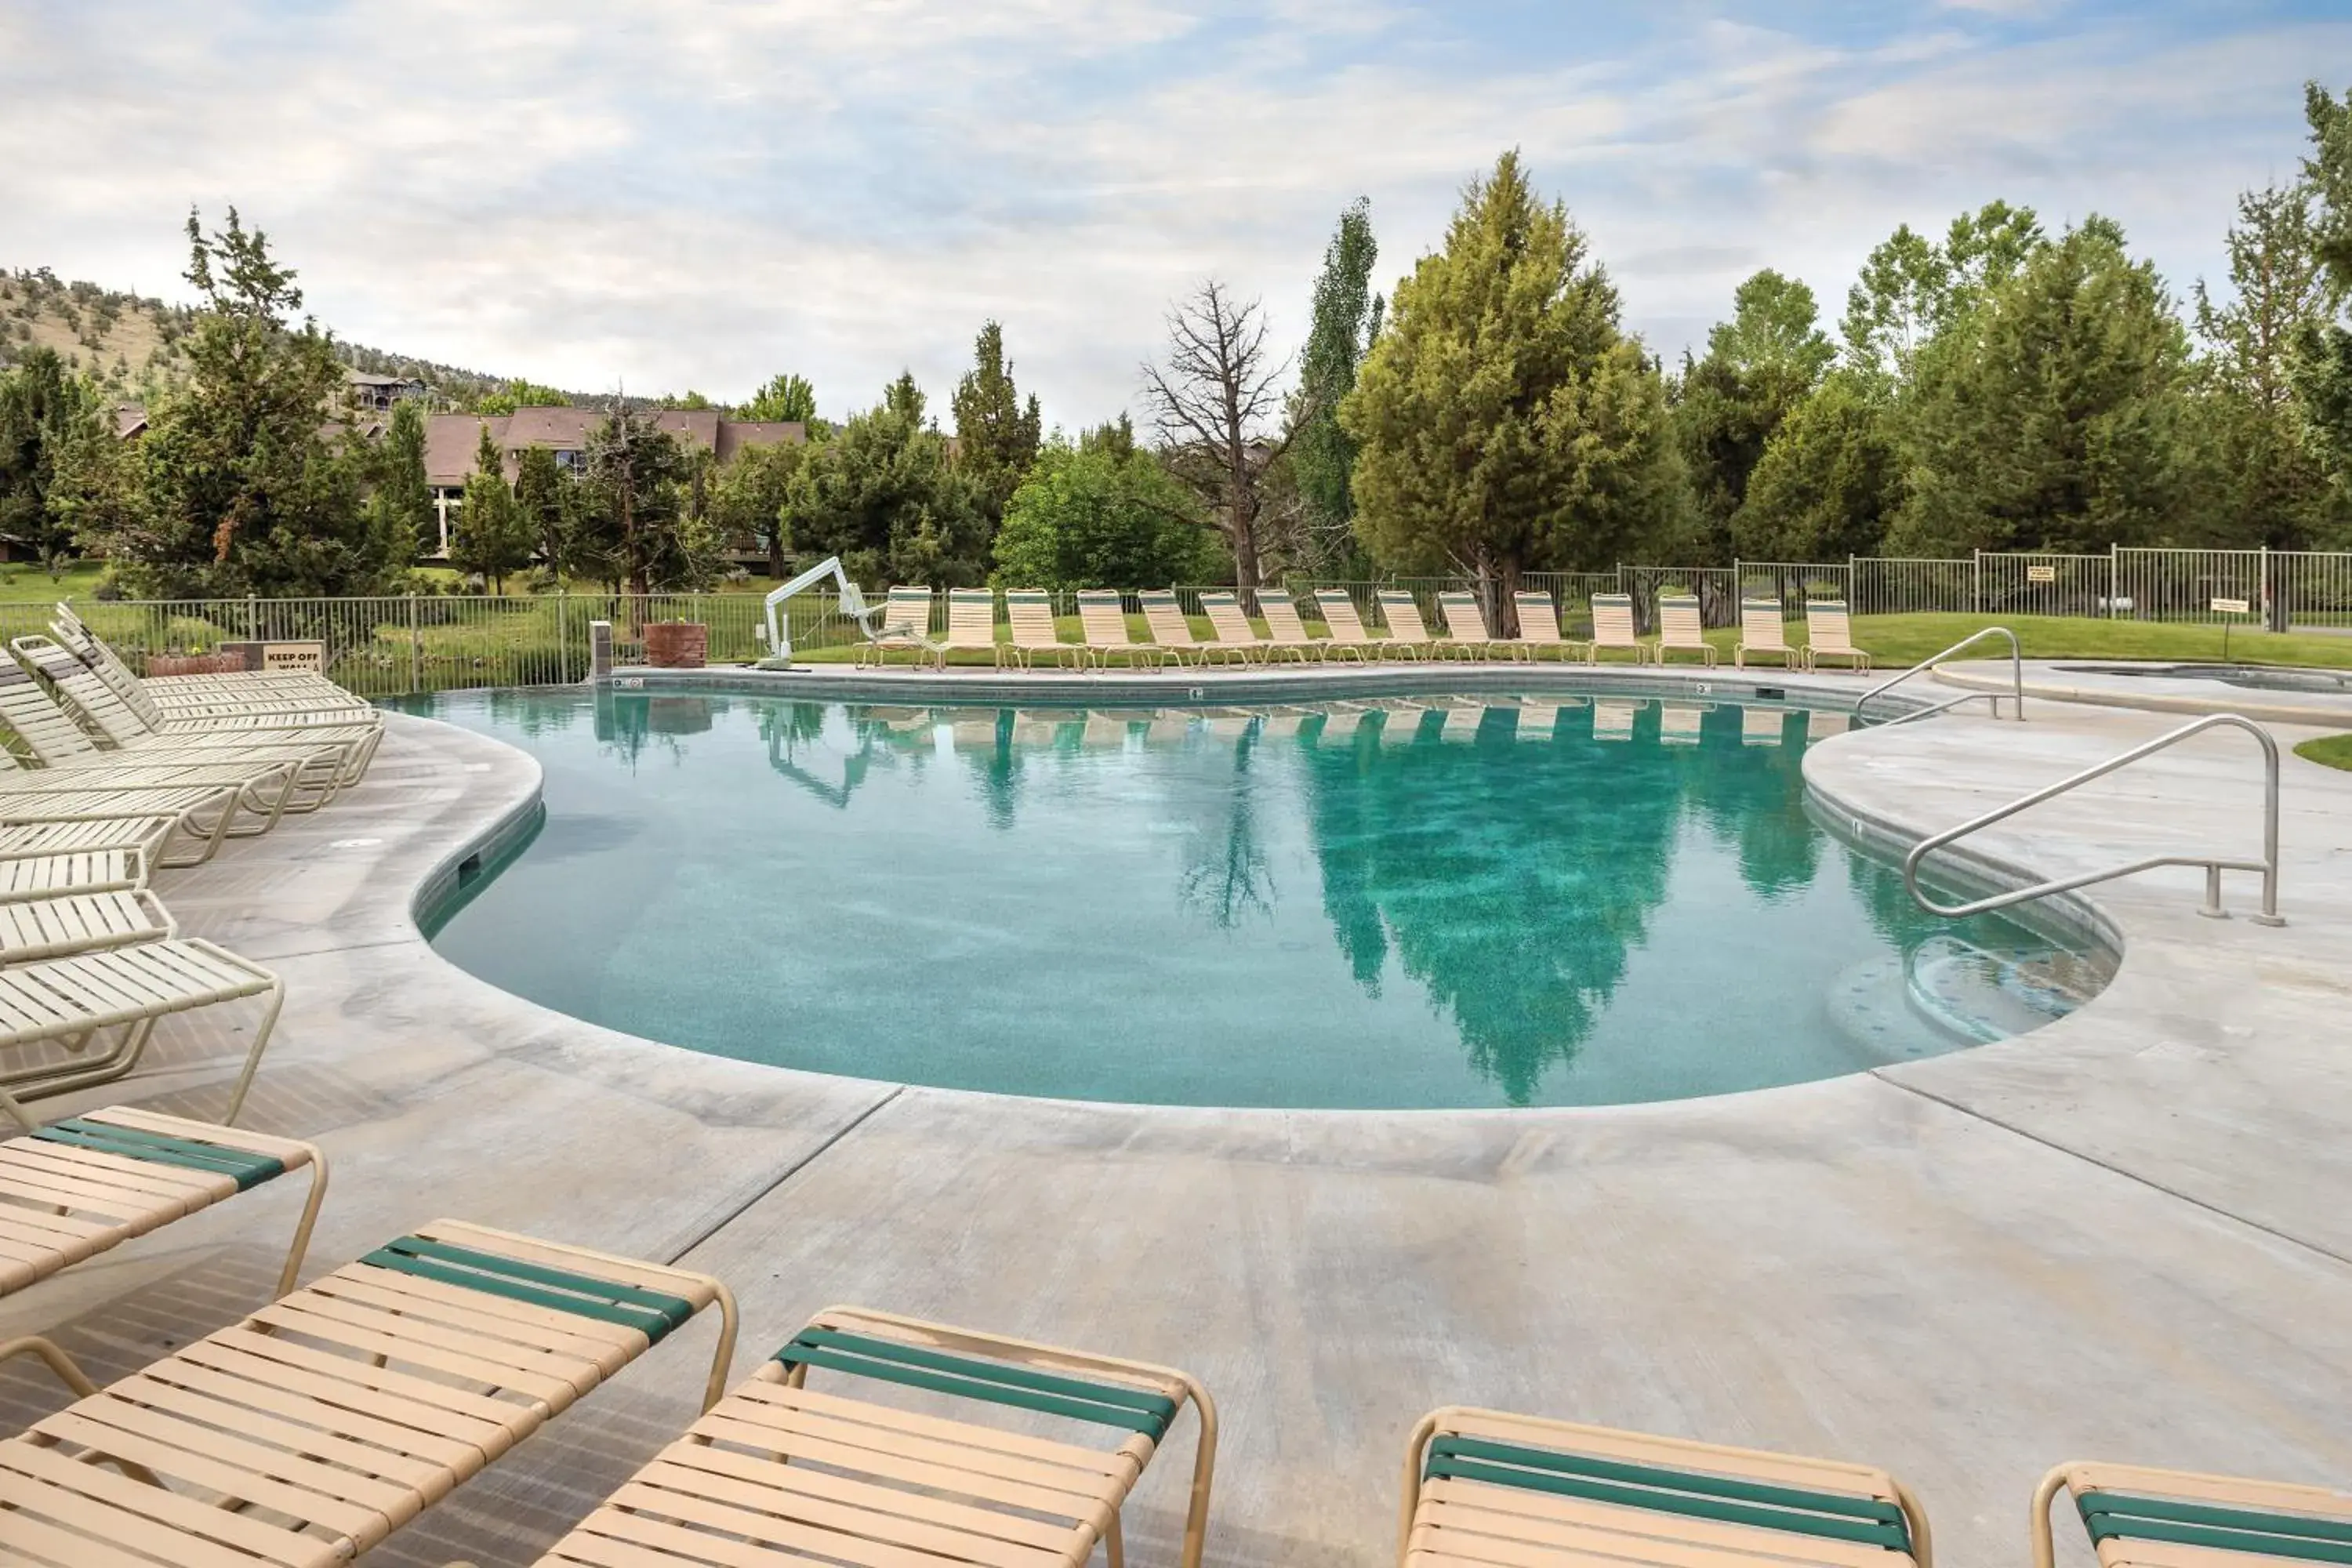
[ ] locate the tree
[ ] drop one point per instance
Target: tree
(882, 495)
(44, 411)
(1911, 290)
(492, 537)
(1759, 364)
(749, 495)
(1828, 480)
(2323, 373)
(636, 530)
(2268, 486)
(243, 485)
(401, 507)
(2056, 422)
(1345, 318)
(1214, 402)
(787, 398)
(547, 502)
(520, 393)
(996, 438)
(1506, 423)
(1091, 516)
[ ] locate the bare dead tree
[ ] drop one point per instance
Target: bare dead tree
(1218, 409)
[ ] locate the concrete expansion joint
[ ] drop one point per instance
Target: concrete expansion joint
(714, 1226)
(2134, 1176)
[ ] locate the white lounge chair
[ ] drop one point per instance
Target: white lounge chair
(1829, 630)
(1465, 627)
(1233, 632)
(1538, 627)
(1171, 630)
(972, 626)
(1682, 629)
(1401, 611)
(1348, 629)
(1760, 632)
(1029, 612)
(1102, 615)
(1285, 632)
(1612, 627)
(905, 629)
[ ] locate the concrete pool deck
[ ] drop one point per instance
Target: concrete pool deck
(2129, 1235)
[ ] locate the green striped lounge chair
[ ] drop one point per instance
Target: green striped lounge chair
(1029, 613)
(1829, 631)
(1286, 633)
(1612, 627)
(1682, 628)
(1761, 632)
(2141, 1518)
(304, 1435)
(972, 626)
(1401, 611)
(1538, 626)
(79, 1187)
(1484, 1486)
(1102, 615)
(790, 1467)
(1348, 629)
(1236, 636)
(1171, 631)
(905, 624)
(1466, 634)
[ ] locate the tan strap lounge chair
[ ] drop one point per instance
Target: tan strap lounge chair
(82, 1186)
(68, 1000)
(1029, 612)
(1682, 628)
(1401, 611)
(1285, 632)
(32, 929)
(257, 798)
(2141, 1518)
(906, 627)
(306, 1435)
(1348, 630)
(1612, 627)
(1484, 1486)
(1236, 636)
(1465, 627)
(1828, 629)
(290, 696)
(1170, 628)
(43, 861)
(1760, 632)
(1538, 627)
(779, 1471)
(1102, 615)
(154, 822)
(972, 626)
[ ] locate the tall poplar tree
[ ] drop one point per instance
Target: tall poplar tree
(1507, 423)
(2323, 357)
(996, 435)
(1345, 319)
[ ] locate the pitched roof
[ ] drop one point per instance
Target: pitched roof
(734, 435)
(450, 439)
(450, 442)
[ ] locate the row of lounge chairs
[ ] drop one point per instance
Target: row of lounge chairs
(312, 1430)
(1031, 632)
(109, 778)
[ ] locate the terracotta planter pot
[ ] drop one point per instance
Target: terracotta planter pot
(194, 663)
(676, 644)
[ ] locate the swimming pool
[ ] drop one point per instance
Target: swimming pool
(1439, 903)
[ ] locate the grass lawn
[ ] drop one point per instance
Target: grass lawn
(2328, 750)
(26, 580)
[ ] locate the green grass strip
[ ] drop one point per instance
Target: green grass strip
(249, 1169)
(1866, 1533)
(978, 1381)
(650, 1312)
(2111, 1515)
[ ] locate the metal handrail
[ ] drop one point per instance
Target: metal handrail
(2214, 866)
(2016, 677)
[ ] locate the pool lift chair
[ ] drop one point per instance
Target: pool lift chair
(870, 618)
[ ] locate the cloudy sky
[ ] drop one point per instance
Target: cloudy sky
(666, 194)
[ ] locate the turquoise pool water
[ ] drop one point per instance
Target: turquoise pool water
(1440, 902)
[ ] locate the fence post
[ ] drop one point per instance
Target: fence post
(253, 617)
(416, 649)
(2271, 620)
(563, 635)
(2115, 587)
(1975, 590)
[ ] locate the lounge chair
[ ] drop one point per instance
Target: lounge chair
(971, 627)
(307, 1433)
(1612, 627)
(43, 861)
(1030, 614)
(149, 820)
(1465, 627)
(1401, 611)
(2141, 1518)
(1285, 632)
(1682, 629)
(1234, 635)
(1102, 615)
(1170, 628)
(906, 626)
(1348, 630)
(779, 1471)
(1760, 633)
(67, 1001)
(285, 694)
(1481, 1485)
(79, 1187)
(1828, 629)
(64, 924)
(1538, 627)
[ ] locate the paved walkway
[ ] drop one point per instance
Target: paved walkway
(2127, 1234)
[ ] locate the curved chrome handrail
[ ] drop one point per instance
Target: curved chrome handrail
(2214, 866)
(2016, 677)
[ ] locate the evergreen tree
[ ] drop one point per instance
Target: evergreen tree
(996, 435)
(2055, 421)
(749, 493)
(1345, 319)
(46, 413)
(1829, 478)
(492, 537)
(546, 501)
(1507, 422)
(1092, 516)
(787, 398)
(402, 504)
(882, 495)
(1759, 364)
(240, 489)
(1912, 290)
(637, 528)
(2323, 369)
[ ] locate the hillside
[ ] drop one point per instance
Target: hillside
(132, 343)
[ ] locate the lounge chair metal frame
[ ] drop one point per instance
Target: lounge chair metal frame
(1526, 1490)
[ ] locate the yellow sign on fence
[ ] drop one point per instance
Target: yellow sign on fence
(2232, 607)
(310, 656)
